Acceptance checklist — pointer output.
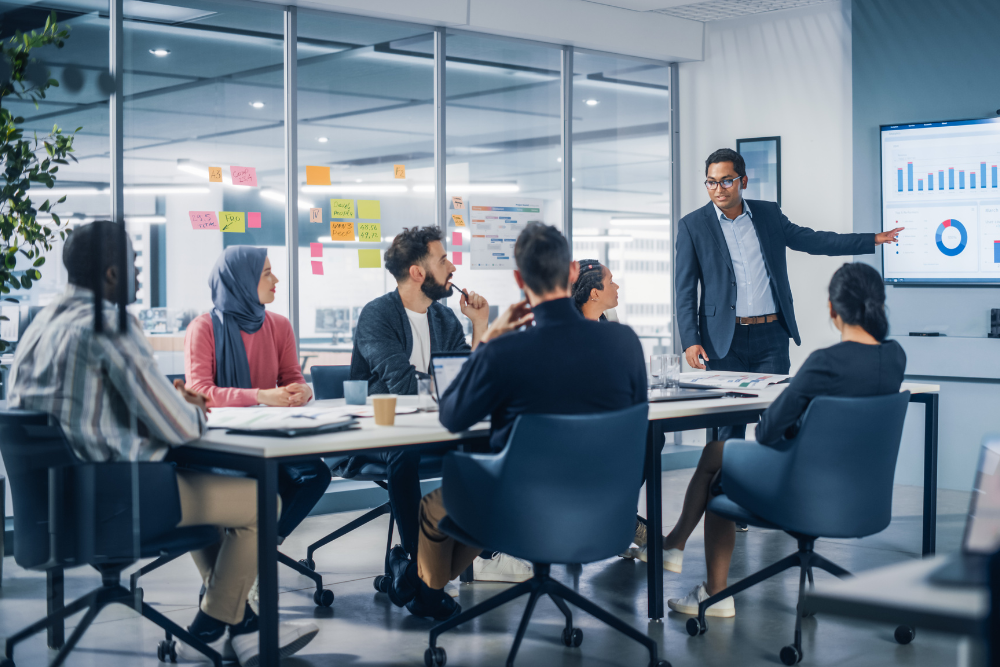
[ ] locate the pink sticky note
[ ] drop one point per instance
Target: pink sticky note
(317, 268)
(203, 220)
(316, 249)
(456, 239)
(244, 175)
(456, 258)
(253, 220)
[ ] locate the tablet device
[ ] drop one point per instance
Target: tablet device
(444, 369)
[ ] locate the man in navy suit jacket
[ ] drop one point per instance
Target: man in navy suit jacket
(735, 249)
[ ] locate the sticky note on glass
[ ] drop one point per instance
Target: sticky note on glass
(315, 215)
(399, 170)
(317, 267)
(203, 220)
(369, 209)
(456, 258)
(369, 258)
(244, 175)
(253, 220)
(232, 222)
(370, 232)
(456, 202)
(341, 208)
(341, 231)
(316, 249)
(215, 174)
(458, 220)
(456, 238)
(317, 176)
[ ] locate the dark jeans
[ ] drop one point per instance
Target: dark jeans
(300, 485)
(756, 348)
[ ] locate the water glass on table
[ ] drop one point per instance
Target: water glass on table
(671, 371)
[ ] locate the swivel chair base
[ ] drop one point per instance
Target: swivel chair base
(110, 592)
(539, 585)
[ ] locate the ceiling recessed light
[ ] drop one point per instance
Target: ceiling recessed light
(323, 140)
(160, 53)
(257, 105)
(591, 103)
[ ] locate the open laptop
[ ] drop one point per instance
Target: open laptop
(682, 394)
(982, 527)
(444, 369)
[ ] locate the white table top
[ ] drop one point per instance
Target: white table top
(902, 594)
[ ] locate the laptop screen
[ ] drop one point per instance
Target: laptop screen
(445, 368)
(982, 531)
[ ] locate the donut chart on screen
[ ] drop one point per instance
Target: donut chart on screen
(951, 252)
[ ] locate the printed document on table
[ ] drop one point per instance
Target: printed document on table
(732, 379)
(263, 418)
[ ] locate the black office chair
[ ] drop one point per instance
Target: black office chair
(70, 513)
(834, 479)
(557, 493)
(328, 381)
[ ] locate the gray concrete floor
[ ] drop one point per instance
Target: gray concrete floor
(363, 628)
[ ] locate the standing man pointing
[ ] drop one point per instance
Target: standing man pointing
(735, 249)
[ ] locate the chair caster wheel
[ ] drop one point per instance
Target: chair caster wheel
(696, 627)
(572, 637)
(435, 657)
(308, 563)
(904, 634)
(660, 663)
(166, 651)
(323, 597)
(382, 583)
(790, 655)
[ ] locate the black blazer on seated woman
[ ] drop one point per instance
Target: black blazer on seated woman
(844, 369)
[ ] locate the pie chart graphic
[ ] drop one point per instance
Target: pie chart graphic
(939, 237)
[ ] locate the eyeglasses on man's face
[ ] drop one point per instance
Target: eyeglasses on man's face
(726, 183)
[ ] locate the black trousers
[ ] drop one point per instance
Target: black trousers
(300, 485)
(756, 348)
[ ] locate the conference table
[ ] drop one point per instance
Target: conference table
(259, 457)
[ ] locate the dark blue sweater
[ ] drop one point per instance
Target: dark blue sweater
(383, 343)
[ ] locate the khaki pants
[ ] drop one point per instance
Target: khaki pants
(439, 557)
(228, 567)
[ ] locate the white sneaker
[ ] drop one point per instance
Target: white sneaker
(725, 608)
(673, 559)
(222, 646)
(292, 637)
(254, 598)
(502, 567)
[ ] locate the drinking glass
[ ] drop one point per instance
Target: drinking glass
(356, 392)
(425, 399)
(657, 370)
(671, 371)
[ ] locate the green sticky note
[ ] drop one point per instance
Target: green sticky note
(232, 221)
(369, 209)
(341, 208)
(370, 232)
(370, 259)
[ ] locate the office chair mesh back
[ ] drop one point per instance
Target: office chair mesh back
(838, 470)
(563, 490)
(328, 381)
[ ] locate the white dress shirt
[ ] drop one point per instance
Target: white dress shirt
(753, 285)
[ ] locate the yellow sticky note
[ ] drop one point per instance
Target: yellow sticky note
(458, 220)
(341, 231)
(317, 175)
(369, 258)
(232, 222)
(215, 174)
(369, 209)
(341, 208)
(399, 170)
(370, 232)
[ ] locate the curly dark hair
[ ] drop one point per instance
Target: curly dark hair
(591, 277)
(409, 248)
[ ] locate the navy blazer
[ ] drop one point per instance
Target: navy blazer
(703, 257)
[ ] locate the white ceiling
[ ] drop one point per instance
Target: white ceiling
(712, 10)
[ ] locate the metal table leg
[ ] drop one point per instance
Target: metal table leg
(930, 401)
(54, 599)
(654, 520)
(267, 559)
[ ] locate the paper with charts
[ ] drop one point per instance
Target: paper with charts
(495, 225)
(732, 379)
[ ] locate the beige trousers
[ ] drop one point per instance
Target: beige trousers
(228, 567)
(439, 558)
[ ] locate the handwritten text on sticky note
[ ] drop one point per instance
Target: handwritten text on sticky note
(456, 202)
(232, 221)
(317, 176)
(341, 208)
(458, 220)
(370, 232)
(203, 220)
(369, 258)
(399, 170)
(341, 231)
(215, 174)
(316, 249)
(253, 220)
(369, 209)
(317, 268)
(244, 175)
(315, 215)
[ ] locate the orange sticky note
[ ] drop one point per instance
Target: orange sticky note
(458, 220)
(341, 231)
(317, 176)
(456, 202)
(215, 174)
(456, 258)
(369, 258)
(316, 249)
(317, 268)
(399, 170)
(253, 220)
(315, 215)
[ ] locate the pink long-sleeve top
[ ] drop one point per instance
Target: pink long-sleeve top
(271, 351)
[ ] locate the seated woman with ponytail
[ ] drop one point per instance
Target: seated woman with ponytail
(864, 363)
(595, 291)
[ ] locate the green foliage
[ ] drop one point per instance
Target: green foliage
(27, 164)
